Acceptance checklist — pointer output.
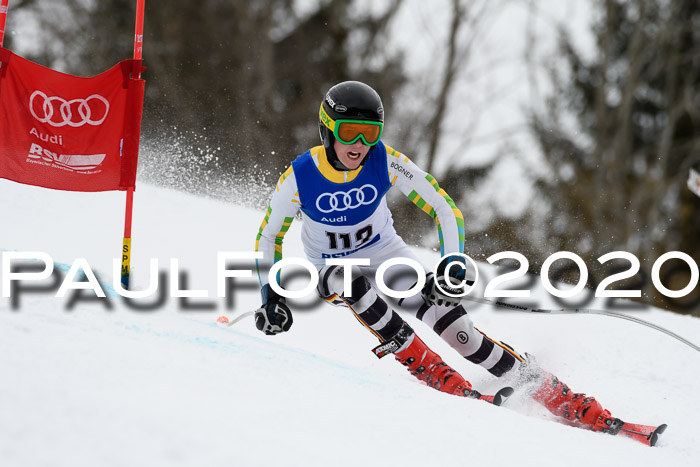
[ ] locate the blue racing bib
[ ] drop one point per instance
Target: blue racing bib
(346, 203)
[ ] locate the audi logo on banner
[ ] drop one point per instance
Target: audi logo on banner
(344, 200)
(59, 112)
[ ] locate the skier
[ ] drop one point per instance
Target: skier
(340, 188)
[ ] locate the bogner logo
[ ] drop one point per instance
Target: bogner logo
(401, 169)
(82, 163)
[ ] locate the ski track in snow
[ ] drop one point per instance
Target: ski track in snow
(92, 386)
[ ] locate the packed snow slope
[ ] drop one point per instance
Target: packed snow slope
(92, 386)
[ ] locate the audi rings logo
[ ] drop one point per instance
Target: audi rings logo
(59, 112)
(342, 201)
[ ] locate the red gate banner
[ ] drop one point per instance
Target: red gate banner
(69, 133)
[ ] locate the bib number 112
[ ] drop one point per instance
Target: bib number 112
(361, 237)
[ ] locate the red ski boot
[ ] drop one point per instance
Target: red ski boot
(586, 412)
(574, 407)
(427, 366)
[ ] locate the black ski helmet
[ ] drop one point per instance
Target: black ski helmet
(348, 100)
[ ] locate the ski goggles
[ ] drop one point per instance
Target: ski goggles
(348, 131)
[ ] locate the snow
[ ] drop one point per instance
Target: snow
(91, 386)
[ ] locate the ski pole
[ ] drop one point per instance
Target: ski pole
(589, 311)
(224, 320)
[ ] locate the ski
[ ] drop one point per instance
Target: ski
(497, 399)
(645, 434)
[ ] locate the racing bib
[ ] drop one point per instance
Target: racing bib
(342, 204)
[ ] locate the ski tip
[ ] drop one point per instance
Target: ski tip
(502, 396)
(654, 437)
(222, 320)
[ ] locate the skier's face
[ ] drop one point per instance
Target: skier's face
(351, 155)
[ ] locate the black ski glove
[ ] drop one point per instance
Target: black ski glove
(432, 295)
(274, 316)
